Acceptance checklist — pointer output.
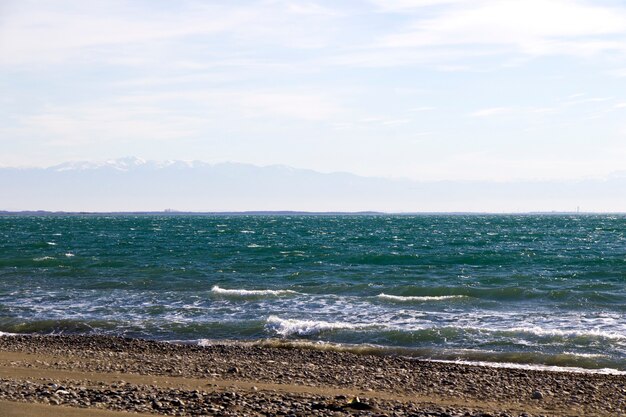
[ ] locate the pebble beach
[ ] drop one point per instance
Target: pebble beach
(258, 379)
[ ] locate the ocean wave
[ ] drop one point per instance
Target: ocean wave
(43, 258)
(288, 327)
(250, 293)
(592, 333)
(60, 326)
(585, 355)
(418, 298)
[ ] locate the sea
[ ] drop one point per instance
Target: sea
(543, 291)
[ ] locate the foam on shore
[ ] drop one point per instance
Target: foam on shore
(420, 354)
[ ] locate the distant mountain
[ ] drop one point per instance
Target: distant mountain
(133, 184)
(125, 164)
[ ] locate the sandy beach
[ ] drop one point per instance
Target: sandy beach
(79, 375)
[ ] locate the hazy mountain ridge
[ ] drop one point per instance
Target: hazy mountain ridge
(134, 184)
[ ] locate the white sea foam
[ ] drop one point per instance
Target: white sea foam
(69, 254)
(586, 355)
(204, 342)
(407, 353)
(533, 367)
(51, 243)
(287, 327)
(418, 298)
(249, 293)
(43, 258)
(536, 330)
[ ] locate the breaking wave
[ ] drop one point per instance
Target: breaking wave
(288, 327)
(418, 298)
(249, 293)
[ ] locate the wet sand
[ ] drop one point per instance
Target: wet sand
(78, 375)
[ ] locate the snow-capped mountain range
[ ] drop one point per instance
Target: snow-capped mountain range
(134, 184)
(124, 164)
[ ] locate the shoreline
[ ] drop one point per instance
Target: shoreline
(111, 373)
(365, 349)
(407, 353)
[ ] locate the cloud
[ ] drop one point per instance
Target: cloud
(619, 73)
(308, 8)
(492, 111)
(404, 5)
(282, 104)
(396, 122)
(444, 58)
(581, 99)
(189, 36)
(532, 27)
(128, 32)
(169, 116)
(52, 32)
(543, 110)
(312, 107)
(106, 123)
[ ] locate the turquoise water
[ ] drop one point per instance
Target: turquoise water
(526, 289)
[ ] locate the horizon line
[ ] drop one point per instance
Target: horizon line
(172, 213)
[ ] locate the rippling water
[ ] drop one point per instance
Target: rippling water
(512, 288)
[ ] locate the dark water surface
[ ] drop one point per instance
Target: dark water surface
(524, 289)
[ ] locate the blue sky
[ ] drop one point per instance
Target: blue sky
(423, 89)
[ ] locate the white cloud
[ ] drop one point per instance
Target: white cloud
(127, 33)
(544, 110)
(422, 109)
(308, 8)
(492, 111)
(169, 116)
(620, 73)
(107, 123)
(396, 122)
(47, 33)
(298, 105)
(292, 105)
(404, 5)
(443, 57)
(533, 27)
(577, 100)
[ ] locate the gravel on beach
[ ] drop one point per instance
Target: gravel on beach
(291, 381)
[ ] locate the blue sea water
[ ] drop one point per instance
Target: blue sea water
(525, 289)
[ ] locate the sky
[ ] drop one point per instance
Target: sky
(494, 90)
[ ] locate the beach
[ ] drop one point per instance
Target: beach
(75, 375)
